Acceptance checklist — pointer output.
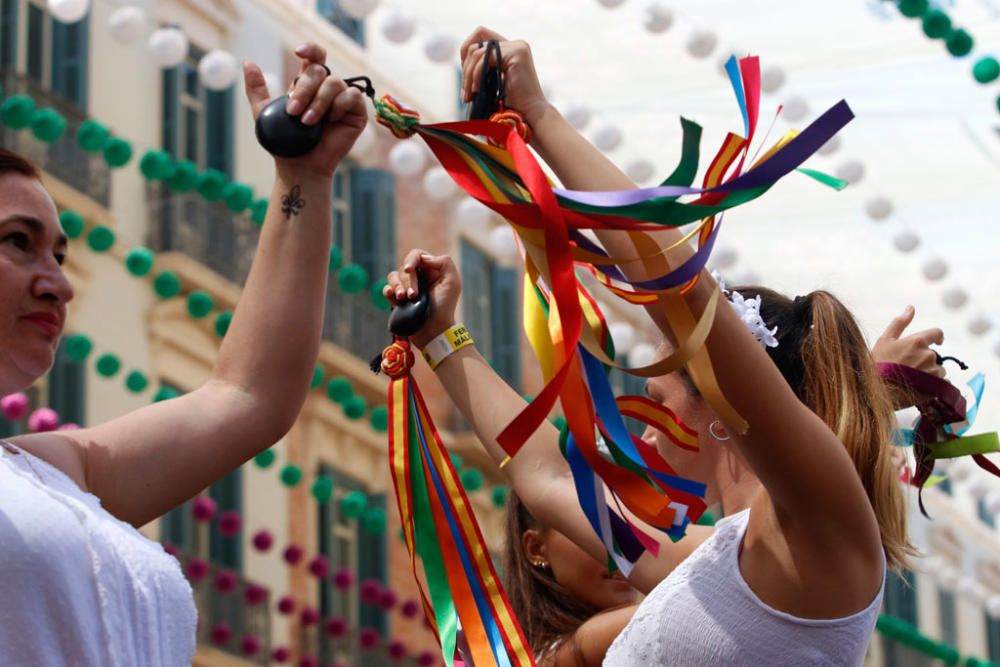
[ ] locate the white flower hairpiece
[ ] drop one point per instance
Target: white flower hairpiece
(749, 312)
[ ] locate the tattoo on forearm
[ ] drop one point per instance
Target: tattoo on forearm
(292, 203)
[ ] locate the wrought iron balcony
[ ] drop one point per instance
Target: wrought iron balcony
(209, 233)
(86, 172)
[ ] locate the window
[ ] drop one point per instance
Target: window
(346, 545)
(944, 485)
(51, 53)
(179, 528)
(197, 123)
(993, 639)
(901, 601)
(370, 238)
(984, 513)
(67, 388)
(491, 311)
(946, 613)
(352, 27)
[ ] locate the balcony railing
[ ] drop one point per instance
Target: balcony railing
(231, 608)
(210, 233)
(86, 172)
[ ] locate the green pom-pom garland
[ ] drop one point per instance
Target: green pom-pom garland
(72, 223)
(91, 136)
(136, 382)
(199, 304)
(139, 261)
(222, 322)
(108, 365)
(100, 238)
(339, 389)
(117, 152)
(78, 347)
(167, 285)
(291, 475)
(265, 458)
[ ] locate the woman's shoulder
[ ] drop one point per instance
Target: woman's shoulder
(59, 451)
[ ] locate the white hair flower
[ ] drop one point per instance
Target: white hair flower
(749, 311)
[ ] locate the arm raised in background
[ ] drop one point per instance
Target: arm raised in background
(148, 461)
(811, 481)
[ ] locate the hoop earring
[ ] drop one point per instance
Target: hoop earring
(711, 429)
(540, 564)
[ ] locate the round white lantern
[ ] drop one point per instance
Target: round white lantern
(851, 171)
(608, 137)
(948, 578)
(472, 216)
(641, 354)
(724, 258)
(906, 241)
(979, 325)
(611, 4)
(358, 9)
(438, 185)
(126, 24)
(168, 47)
(701, 44)
(68, 11)
(577, 115)
(967, 586)
(771, 79)
(878, 208)
(797, 108)
(440, 47)
(397, 26)
(934, 269)
(831, 146)
(501, 242)
(993, 606)
(406, 159)
(217, 69)
(656, 18)
(955, 297)
(639, 170)
(623, 334)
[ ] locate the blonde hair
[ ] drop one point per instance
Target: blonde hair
(824, 357)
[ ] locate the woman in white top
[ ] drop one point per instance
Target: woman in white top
(797, 578)
(78, 584)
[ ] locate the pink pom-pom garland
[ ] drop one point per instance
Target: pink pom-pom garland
(221, 633)
(262, 540)
(69, 426)
(280, 654)
(254, 594)
(343, 578)
(197, 569)
(286, 605)
(368, 638)
(426, 659)
(229, 523)
(42, 420)
(202, 509)
(397, 650)
(225, 581)
(250, 645)
(292, 554)
(336, 627)
(309, 616)
(410, 609)
(388, 599)
(319, 566)
(308, 661)
(14, 406)
(370, 591)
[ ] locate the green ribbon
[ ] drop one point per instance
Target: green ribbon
(981, 443)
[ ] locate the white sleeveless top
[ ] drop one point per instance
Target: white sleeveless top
(705, 614)
(79, 587)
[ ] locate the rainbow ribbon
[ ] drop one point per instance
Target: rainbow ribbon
(440, 528)
(491, 162)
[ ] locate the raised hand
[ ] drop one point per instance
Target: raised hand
(523, 91)
(444, 284)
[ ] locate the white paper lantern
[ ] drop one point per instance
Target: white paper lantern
(978, 488)
(979, 325)
(639, 170)
(577, 115)
(967, 586)
(126, 24)
(771, 79)
(724, 258)
(796, 108)
(438, 185)
(364, 144)
(701, 43)
(406, 159)
(440, 47)
(831, 146)
(397, 26)
(168, 46)
(959, 472)
(955, 297)
(641, 354)
(906, 241)
(501, 242)
(611, 4)
(607, 137)
(992, 503)
(878, 208)
(623, 334)
(993, 606)
(656, 18)
(358, 9)
(218, 69)
(934, 269)
(68, 11)
(851, 171)
(948, 578)
(472, 216)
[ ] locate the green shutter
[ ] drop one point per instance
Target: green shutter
(373, 221)
(36, 42)
(504, 322)
(219, 130)
(946, 612)
(8, 33)
(67, 388)
(331, 11)
(228, 496)
(373, 563)
(476, 297)
(993, 638)
(69, 60)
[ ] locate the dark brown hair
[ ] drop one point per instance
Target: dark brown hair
(12, 162)
(824, 357)
(546, 611)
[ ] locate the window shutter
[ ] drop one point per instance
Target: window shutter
(69, 60)
(504, 323)
(373, 221)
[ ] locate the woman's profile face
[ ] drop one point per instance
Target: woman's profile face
(35, 290)
(583, 577)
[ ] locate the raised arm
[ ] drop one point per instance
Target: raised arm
(812, 482)
(144, 463)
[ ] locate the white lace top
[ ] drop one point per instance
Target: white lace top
(705, 614)
(79, 587)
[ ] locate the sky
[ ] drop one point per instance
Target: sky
(927, 135)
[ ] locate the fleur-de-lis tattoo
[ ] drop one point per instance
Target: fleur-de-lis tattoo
(292, 203)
